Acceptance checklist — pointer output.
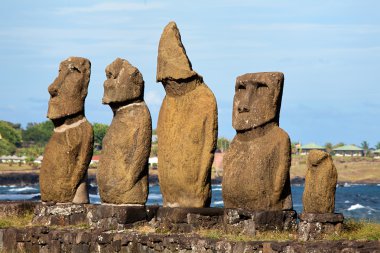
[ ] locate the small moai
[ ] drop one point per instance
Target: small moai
(187, 127)
(257, 163)
(63, 174)
(318, 199)
(122, 173)
(320, 183)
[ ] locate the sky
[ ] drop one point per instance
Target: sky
(329, 52)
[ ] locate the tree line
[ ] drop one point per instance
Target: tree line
(31, 141)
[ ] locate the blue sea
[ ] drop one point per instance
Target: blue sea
(357, 201)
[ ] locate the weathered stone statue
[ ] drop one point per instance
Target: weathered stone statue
(123, 167)
(187, 127)
(256, 165)
(68, 153)
(320, 183)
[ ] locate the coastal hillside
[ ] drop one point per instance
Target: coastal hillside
(350, 169)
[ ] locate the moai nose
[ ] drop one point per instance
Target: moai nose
(53, 89)
(243, 108)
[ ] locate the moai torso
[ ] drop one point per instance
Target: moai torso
(320, 183)
(66, 159)
(68, 153)
(256, 165)
(187, 127)
(123, 167)
(186, 138)
(256, 172)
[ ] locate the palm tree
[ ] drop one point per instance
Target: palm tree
(365, 147)
(328, 147)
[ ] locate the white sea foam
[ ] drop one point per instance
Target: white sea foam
(347, 201)
(354, 207)
(23, 189)
(154, 196)
(220, 202)
(217, 189)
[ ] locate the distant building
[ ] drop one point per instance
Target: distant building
(348, 150)
(218, 163)
(95, 159)
(39, 159)
(305, 149)
(376, 154)
(13, 159)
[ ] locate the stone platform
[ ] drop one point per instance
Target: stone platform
(184, 220)
(49, 240)
(107, 228)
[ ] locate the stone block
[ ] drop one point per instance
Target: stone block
(31, 247)
(312, 226)
(129, 214)
(83, 237)
(55, 246)
(322, 217)
(44, 239)
(116, 245)
(24, 236)
(9, 240)
(104, 238)
(248, 222)
(69, 237)
(81, 248)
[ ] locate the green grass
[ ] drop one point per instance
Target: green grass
(16, 221)
(357, 230)
(352, 230)
(260, 236)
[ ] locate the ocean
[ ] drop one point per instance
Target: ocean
(356, 201)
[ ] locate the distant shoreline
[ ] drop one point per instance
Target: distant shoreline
(31, 177)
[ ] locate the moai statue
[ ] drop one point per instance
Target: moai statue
(63, 174)
(320, 183)
(187, 127)
(256, 165)
(123, 167)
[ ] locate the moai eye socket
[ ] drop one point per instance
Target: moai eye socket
(72, 69)
(262, 88)
(240, 86)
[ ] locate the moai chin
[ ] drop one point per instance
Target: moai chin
(320, 183)
(122, 173)
(187, 127)
(63, 174)
(257, 163)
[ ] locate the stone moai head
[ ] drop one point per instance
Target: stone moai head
(316, 157)
(124, 83)
(257, 100)
(172, 61)
(69, 89)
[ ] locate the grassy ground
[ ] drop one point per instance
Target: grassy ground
(352, 230)
(16, 221)
(355, 170)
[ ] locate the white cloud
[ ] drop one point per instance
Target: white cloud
(109, 7)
